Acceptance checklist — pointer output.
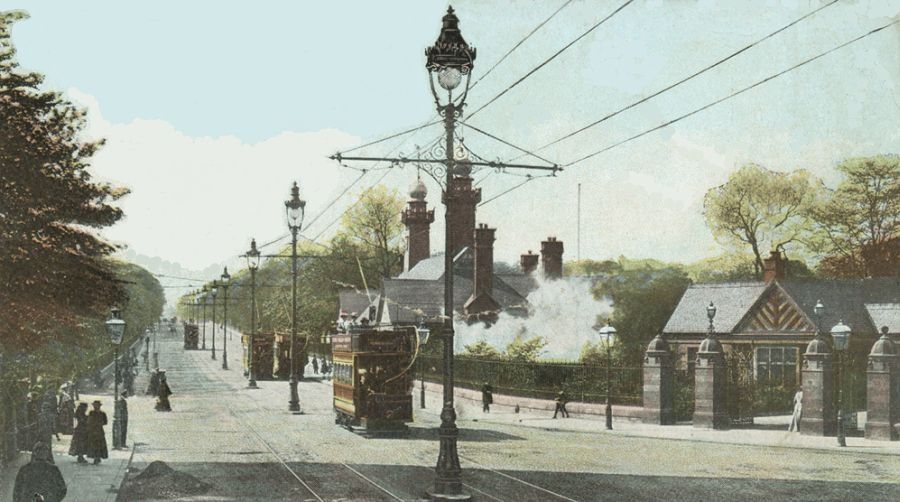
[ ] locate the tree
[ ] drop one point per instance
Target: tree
(644, 295)
(525, 350)
(761, 209)
(482, 350)
(54, 270)
(731, 267)
(374, 223)
(858, 224)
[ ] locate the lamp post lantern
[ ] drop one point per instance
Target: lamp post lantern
(226, 281)
(214, 292)
(294, 209)
(423, 332)
(607, 333)
(115, 328)
(252, 264)
(449, 61)
(840, 336)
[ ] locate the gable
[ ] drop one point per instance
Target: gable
(776, 312)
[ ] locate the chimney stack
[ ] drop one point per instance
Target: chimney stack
(417, 219)
(528, 262)
(461, 199)
(482, 301)
(774, 267)
(551, 258)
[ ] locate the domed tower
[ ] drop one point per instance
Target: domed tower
(417, 218)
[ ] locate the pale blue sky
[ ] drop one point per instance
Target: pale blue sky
(214, 101)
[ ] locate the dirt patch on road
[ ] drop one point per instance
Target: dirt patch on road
(159, 481)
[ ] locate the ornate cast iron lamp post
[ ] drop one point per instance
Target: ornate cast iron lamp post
(226, 279)
(840, 335)
(115, 328)
(253, 265)
(294, 208)
(202, 299)
(449, 61)
(607, 333)
(214, 292)
(423, 332)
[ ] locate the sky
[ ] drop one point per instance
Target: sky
(210, 110)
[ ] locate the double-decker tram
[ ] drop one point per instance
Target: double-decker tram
(372, 379)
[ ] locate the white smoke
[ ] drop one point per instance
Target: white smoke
(563, 311)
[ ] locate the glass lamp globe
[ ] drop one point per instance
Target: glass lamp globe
(449, 78)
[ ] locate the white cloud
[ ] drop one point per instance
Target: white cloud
(199, 200)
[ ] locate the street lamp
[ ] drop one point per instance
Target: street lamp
(294, 210)
(202, 294)
(253, 265)
(225, 283)
(448, 61)
(214, 292)
(115, 328)
(423, 332)
(607, 333)
(840, 335)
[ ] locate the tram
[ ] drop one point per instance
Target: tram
(262, 355)
(191, 336)
(372, 379)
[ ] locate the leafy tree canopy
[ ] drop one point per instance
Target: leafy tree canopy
(761, 210)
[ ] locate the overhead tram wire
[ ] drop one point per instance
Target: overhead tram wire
(507, 143)
(348, 187)
(526, 37)
(551, 58)
(685, 79)
(734, 94)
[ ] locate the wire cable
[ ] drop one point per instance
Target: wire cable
(336, 199)
(734, 94)
(551, 58)
(392, 136)
(685, 79)
(501, 194)
(532, 32)
(507, 143)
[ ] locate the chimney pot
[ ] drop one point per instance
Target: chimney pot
(774, 267)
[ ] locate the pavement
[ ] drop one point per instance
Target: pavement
(85, 482)
(768, 431)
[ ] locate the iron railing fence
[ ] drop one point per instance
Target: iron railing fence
(542, 380)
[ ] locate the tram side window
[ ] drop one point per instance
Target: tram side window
(777, 365)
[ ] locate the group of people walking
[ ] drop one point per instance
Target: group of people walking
(487, 399)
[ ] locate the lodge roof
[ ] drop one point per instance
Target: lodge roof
(855, 301)
(885, 314)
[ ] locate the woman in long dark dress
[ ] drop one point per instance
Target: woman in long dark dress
(96, 438)
(78, 446)
(163, 393)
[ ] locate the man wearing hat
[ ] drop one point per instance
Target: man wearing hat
(39, 479)
(96, 437)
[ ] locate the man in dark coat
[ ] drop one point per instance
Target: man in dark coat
(561, 400)
(153, 387)
(39, 478)
(487, 397)
(96, 437)
(163, 393)
(315, 364)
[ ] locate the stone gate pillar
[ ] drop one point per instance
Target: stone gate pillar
(818, 415)
(709, 386)
(659, 375)
(881, 391)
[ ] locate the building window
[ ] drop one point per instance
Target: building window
(777, 365)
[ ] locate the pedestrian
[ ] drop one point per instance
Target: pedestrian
(96, 437)
(561, 400)
(153, 385)
(39, 479)
(47, 419)
(798, 411)
(122, 413)
(78, 446)
(163, 393)
(315, 364)
(487, 397)
(128, 376)
(65, 410)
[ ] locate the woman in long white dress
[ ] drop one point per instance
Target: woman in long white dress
(798, 410)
